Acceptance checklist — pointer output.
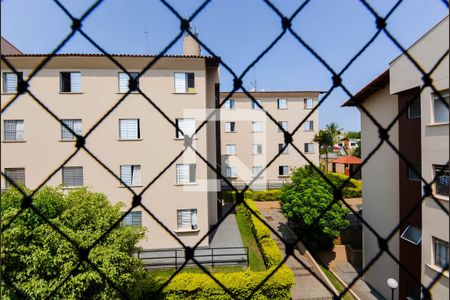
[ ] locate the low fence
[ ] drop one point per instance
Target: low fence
(259, 185)
(173, 258)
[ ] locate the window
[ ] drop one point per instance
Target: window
(124, 81)
(230, 172)
(283, 124)
(230, 149)
(184, 83)
(185, 173)
(283, 170)
(257, 149)
(257, 170)
(282, 103)
(13, 130)
(229, 104)
(74, 125)
(441, 183)
(412, 235)
(308, 103)
(10, 81)
(416, 172)
(309, 147)
(230, 126)
(70, 82)
(129, 129)
(440, 252)
(440, 111)
(414, 109)
(72, 176)
(257, 126)
(133, 218)
(187, 219)
(352, 144)
(186, 127)
(131, 175)
(308, 126)
(254, 106)
(16, 175)
(283, 150)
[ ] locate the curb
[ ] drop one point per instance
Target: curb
(344, 284)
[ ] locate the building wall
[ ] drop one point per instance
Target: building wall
(380, 195)
(42, 151)
(270, 137)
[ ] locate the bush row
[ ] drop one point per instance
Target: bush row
(353, 189)
(270, 195)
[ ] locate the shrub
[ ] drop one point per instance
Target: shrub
(270, 251)
(352, 189)
(270, 195)
(260, 230)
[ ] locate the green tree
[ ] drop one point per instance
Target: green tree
(353, 135)
(326, 138)
(304, 200)
(357, 150)
(36, 258)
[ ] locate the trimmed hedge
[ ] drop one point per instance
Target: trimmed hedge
(270, 195)
(353, 189)
(270, 251)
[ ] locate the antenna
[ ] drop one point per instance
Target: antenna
(253, 83)
(147, 42)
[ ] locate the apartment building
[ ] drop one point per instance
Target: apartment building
(392, 188)
(135, 141)
(249, 139)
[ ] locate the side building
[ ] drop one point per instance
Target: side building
(392, 188)
(250, 139)
(134, 140)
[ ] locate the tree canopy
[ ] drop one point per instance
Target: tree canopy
(326, 138)
(37, 259)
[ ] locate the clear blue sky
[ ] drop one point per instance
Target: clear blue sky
(238, 30)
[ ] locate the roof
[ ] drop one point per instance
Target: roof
(8, 48)
(103, 55)
(348, 159)
(272, 93)
(378, 83)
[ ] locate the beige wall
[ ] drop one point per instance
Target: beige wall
(42, 151)
(435, 142)
(270, 137)
(380, 189)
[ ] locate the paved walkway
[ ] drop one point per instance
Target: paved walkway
(227, 234)
(306, 285)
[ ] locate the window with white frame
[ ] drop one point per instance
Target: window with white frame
(308, 103)
(282, 149)
(70, 82)
(10, 81)
(257, 170)
(230, 126)
(257, 126)
(230, 172)
(230, 149)
(124, 81)
(441, 174)
(184, 82)
(283, 170)
(230, 104)
(13, 130)
(309, 147)
(185, 173)
(129, 129)
(257, 149)
(414, 109)
(283, 124)
(133, 218)
(187, 219)
(308, 126)
(440, 252)
(74, 125)
(440, 110)
(16, 175)
(72, 176)
(186, 127)
(282, 104)
(254, 105)
(131, 174)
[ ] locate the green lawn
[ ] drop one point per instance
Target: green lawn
(255, 257)
(222, 269)
(337, 284)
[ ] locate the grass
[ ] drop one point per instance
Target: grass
(255, 256)
(221, 269)
(337, 284)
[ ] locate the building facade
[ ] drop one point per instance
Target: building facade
(392, 188)
(250, 139)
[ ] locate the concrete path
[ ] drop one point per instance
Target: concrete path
(306, 285)
(227, 234)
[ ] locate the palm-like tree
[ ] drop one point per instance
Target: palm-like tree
(326, 138)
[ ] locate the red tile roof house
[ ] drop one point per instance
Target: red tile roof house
(347, 165)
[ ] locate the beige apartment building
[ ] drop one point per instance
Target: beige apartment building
(392, 188)
(134, 141)
(249, 139)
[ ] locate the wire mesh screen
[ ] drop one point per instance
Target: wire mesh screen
(135, 199)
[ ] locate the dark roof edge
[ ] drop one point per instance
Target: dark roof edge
(114, 55)
(381, 81)
(273, 92)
